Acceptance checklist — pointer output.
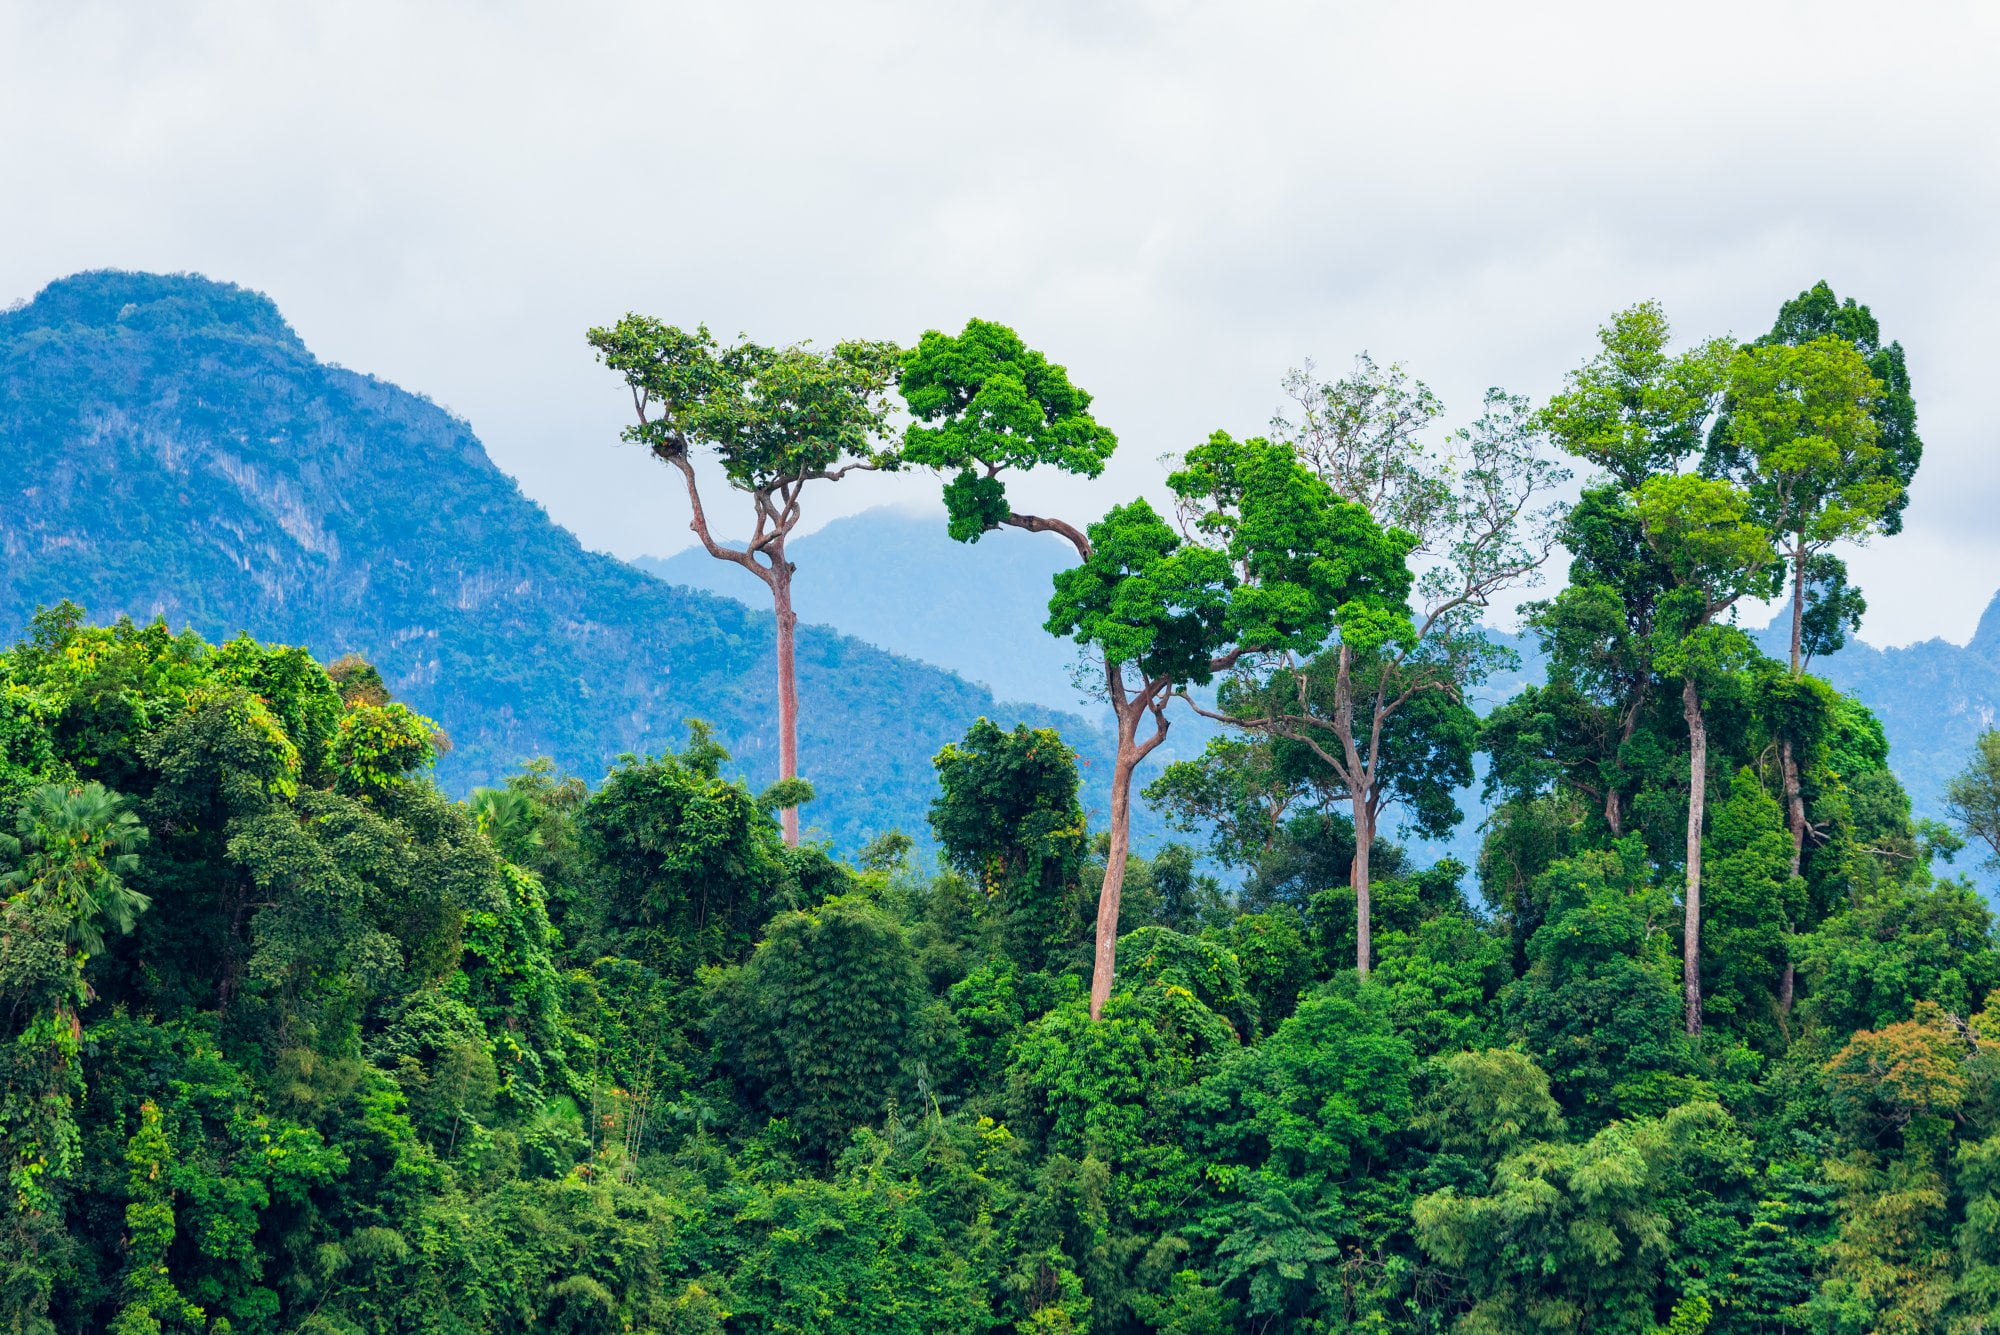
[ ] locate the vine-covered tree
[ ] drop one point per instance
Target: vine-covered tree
(1821, 426)
(1640, 412)
(1008, 816)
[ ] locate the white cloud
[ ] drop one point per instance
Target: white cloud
(1178, 200)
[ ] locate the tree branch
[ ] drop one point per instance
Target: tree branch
(1041, 524)
(700, 522)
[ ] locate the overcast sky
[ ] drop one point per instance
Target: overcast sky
(1176, 200)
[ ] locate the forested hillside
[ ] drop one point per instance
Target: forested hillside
(173, 450)
(1702, 1038)
(292, 1043)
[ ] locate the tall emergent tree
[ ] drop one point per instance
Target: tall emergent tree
(777, 419)
(1821, 426)
(1266, 557)
(1640, 412)
(1703, 531)
(1383, 707)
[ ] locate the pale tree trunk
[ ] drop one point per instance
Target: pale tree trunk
(1795, 809)
(1129, 709)
(1798, 607)
(1360, 779)
(1110, 896)
(1697, 803)
(788, 682)
(1358, 874)
(1795, 802)
(777, 576)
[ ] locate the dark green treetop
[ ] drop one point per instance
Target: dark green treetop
(985, 402)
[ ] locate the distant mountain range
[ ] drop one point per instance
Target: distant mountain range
(169, 447)
(894, 578)
(1934, 699)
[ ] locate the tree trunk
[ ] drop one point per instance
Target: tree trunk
(1795, 802)
(1614, 813)
(1364, 841)
(788, 683)
(1109, 897)
(1798, 606)
(1697, 802)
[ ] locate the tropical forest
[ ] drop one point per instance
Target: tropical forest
(1453, 909)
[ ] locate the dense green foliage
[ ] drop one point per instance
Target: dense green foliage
(861, 574)
(184, 455)
(291, 1041)
(294, 1043)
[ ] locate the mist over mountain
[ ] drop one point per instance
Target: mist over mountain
(173, 449)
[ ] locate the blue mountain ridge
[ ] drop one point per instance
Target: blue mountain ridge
(172, 449)
(983, 605)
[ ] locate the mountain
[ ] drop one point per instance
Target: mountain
(893, 577)
(1934, 699)
(172, 449)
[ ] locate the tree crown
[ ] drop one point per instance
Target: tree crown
(984, 402)
(772, 415)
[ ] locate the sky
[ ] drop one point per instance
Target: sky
(1177, 200)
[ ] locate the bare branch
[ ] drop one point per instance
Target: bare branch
(1041, 524)
(700, 524)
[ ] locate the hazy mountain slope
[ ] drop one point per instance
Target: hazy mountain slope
(1934, 699)
(895, 578)
(171, 448)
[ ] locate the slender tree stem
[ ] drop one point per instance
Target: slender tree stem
(1697, 802)
(774, 523)
(1111, 894)
(1131, 707)
(1798, 604)
(1795, 802)
(1364, 838)
(788, 682)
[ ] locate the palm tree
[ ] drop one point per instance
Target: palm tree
(508, 818)
(75, 846)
